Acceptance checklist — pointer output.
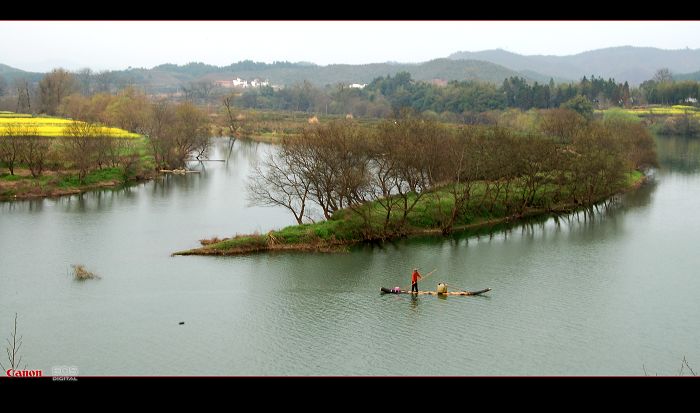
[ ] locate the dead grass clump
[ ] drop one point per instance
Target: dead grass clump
(80, 273)
(213, 240)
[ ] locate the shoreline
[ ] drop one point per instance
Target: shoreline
(267, 243)
(34, 190)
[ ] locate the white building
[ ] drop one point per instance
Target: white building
(259, 83)
(238, 82)
(357, 85)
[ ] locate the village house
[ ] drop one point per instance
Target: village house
(241, 83)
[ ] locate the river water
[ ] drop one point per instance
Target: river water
(605, 292)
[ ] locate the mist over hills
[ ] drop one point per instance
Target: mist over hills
(624, 63)
(10, 73)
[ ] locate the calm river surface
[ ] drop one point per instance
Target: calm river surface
(601, 293)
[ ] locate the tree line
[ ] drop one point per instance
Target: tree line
(384, 96)
(175, 131)
(389, 95)
(459, 172)
(23, 95)
(664, 89)
(85, 147)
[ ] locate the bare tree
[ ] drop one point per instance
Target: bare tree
(663, 75)
(86, 80)
(3, 86)
(53, 88)
(104, 81)
(24, 100)
(129, 110)
(13, 349)
(685, 364)
(35, 150)
(80, 146)
(599, 164)
(191, 133)
(161, 117)
(412, 144)
(459, 182)
(335, 160)
(639, 145)
(202, 88)
(11, 146)
(384, 180)
(563, 124)
(177, 132)
(233, 124)
(279, 181)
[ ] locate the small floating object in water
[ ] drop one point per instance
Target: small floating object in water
(181, 322)
(179, 171)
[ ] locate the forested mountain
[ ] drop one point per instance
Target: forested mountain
(10, 73)
(688, 76)
(285, 73)
(170, 77)
(625, 63)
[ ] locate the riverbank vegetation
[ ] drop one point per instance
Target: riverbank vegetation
(411, 175)
(476, 102)
(682, 120)
(49, 155)
(168, 131)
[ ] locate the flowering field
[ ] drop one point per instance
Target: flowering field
(664, 110)
(52, 127)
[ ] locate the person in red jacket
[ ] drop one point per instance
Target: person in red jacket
(414, 280)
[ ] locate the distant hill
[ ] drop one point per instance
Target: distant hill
(688, 76)
(10, 74)
(625, 63)
(634, 64)
(168, 76)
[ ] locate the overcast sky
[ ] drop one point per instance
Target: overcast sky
(41, 46)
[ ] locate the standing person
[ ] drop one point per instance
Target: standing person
(414, 280)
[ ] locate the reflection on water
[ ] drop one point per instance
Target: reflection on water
(604, 290)
(581, 221)
(679, 154)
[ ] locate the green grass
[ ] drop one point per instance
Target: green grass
(633, 177)
(42, 180)
(242, 241)
(10, 178)
(620, 114)
(102, 175)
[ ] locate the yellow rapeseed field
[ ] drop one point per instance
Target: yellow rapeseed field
(53, 127)
(674, 110)
(665, 110)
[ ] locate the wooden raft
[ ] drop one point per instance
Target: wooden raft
(390, 291)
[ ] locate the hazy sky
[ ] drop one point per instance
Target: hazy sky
(40, 46)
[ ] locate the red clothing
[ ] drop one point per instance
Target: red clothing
(415, 277)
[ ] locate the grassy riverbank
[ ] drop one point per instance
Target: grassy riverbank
(56, 179)
(347, 227)
(22, 185)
